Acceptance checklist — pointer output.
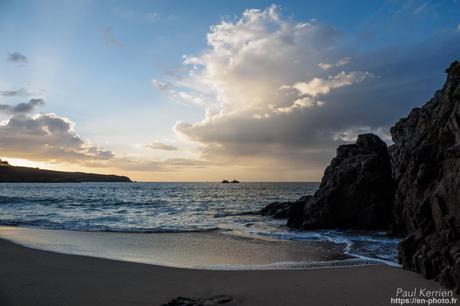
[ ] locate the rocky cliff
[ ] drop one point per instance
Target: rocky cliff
(355, 192)
(412, 189)
(426, 168)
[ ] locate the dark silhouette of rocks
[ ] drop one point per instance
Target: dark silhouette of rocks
(282, 210)
(356, 190)
(211, 301)
(234, 182)
(412, 188)
(230, 182)
(426, 167)
(14, 174)
(225, 182)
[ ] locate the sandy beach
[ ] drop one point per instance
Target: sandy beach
(35, 277)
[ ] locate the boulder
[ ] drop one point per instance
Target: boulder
(282, 210)
(426, 167)
(356, 190)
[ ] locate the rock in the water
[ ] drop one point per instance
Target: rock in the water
(356, 190)
(426, 167)
(212, 301)
(277, 210)
(282, 210)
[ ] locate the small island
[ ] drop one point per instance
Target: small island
(16, 174)
(230, 182)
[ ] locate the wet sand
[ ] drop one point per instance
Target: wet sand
(210, 250)
(36, 277)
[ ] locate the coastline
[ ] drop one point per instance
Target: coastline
(35, 277)
(213, 250)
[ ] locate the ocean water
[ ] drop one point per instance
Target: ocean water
(176, 207)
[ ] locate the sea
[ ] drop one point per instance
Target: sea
(177, 208)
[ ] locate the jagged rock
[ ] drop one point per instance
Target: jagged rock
(277, 210)
(282, 210)
(356, 190)
(212, 301)
(426, 167)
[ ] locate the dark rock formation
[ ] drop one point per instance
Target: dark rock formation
(231, 182)
(426, 167)
(212, 301)
(282, 210)
(13, 174)
(416, 193)
(356, 190)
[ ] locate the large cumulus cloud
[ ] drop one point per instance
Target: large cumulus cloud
(273, 89)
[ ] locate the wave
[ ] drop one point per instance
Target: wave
(45, 224)
(366, 245)
(290, 265)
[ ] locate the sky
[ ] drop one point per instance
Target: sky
(211, 90)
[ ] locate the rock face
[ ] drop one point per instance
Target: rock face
(415, 193)
(426, 167)
(356, 190)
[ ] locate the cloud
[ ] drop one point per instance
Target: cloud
(21, 108)
(163, 86)
(110, 39)
(339, 63)
(51, 138)
(17, 58)
(161, 146)
(15, 93)
(351, 134)
(420, 8)
(318, 86)
(46, 137)
(268, 103)
(152, 16)
(167, 165)
(250, 81)
(325, 66)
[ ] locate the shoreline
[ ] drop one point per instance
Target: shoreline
(35, 277)
(209, 250)
(196, 250)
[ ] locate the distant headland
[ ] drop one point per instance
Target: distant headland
(15, 174)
